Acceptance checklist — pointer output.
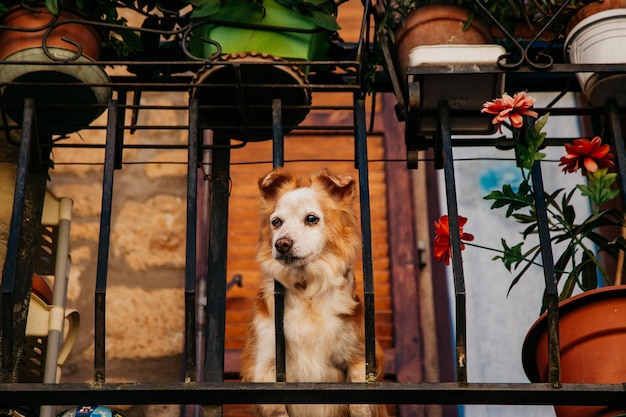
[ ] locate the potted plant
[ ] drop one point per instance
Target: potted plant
(595, 35)
(411, 23)
(254, 47)
(444, 32)
(118, 41)
(71, 31)
(591, 323)
(590, 32)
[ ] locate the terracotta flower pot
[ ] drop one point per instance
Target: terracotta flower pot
(592, 336)
(23, 60)
(12, 41)
(437, 24)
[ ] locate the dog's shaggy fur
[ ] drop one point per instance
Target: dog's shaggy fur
(309, 241)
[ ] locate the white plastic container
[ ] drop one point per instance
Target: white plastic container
(600, 39)
(462, 91)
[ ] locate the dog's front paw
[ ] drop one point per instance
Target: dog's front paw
(272, 410)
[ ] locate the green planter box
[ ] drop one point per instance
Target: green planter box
(269, 31)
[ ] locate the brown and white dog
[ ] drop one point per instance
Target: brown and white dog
(309, 241)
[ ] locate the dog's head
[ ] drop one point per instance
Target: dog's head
(308, 225)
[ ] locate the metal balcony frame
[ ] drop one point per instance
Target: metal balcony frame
(212, 392)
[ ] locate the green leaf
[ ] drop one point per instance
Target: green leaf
(530, 229)
(524, 218)
(510, 255)
(512, 200)
(53, 7)
(325, 20)
(205, 8)
(541, 122)
(568, 287)
(569, 214)
(588, 272)
(561, 263)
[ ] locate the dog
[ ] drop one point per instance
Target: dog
(309, 241)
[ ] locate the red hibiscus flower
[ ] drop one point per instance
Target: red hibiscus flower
(442, 248)
(512, 108)
(586, 155)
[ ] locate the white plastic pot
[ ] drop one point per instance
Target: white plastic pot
(462, 91)
(600, 39)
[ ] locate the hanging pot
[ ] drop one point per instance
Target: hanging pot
(255, 55)
(60, 108)
(592, 336)
(236, 96)
(596, 35)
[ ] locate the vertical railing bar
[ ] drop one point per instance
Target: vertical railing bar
(445, 136)
(119, 141)
(202, 244)
(360, 137)
(614, 128)
(190, 246)
(9, 273)
(278, 160)
(216, 267)
(103, 244)
(552, 293)
(241, 99)
(278, 142)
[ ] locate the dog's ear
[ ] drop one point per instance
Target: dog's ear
(338, 186)
(274, 181)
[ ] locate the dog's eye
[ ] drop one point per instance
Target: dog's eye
(311, 219)
(276, 222)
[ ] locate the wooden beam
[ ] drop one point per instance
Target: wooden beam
(403, 258)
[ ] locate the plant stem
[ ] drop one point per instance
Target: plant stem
(521, 258)
(620, 262)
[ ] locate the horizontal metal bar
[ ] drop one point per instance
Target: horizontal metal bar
(311, 393)
(495, 69)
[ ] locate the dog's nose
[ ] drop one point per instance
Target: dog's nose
(283, 244)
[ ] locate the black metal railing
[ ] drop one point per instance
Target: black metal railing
(211, 390)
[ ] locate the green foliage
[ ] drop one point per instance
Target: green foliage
(575, 261)
(573, 239)
(528, 153)
(320, 12)
(598, 188)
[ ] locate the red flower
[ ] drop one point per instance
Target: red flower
(510, 107)
(586, 155)
(442, 248)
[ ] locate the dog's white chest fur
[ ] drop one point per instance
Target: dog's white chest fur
(316, 338)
